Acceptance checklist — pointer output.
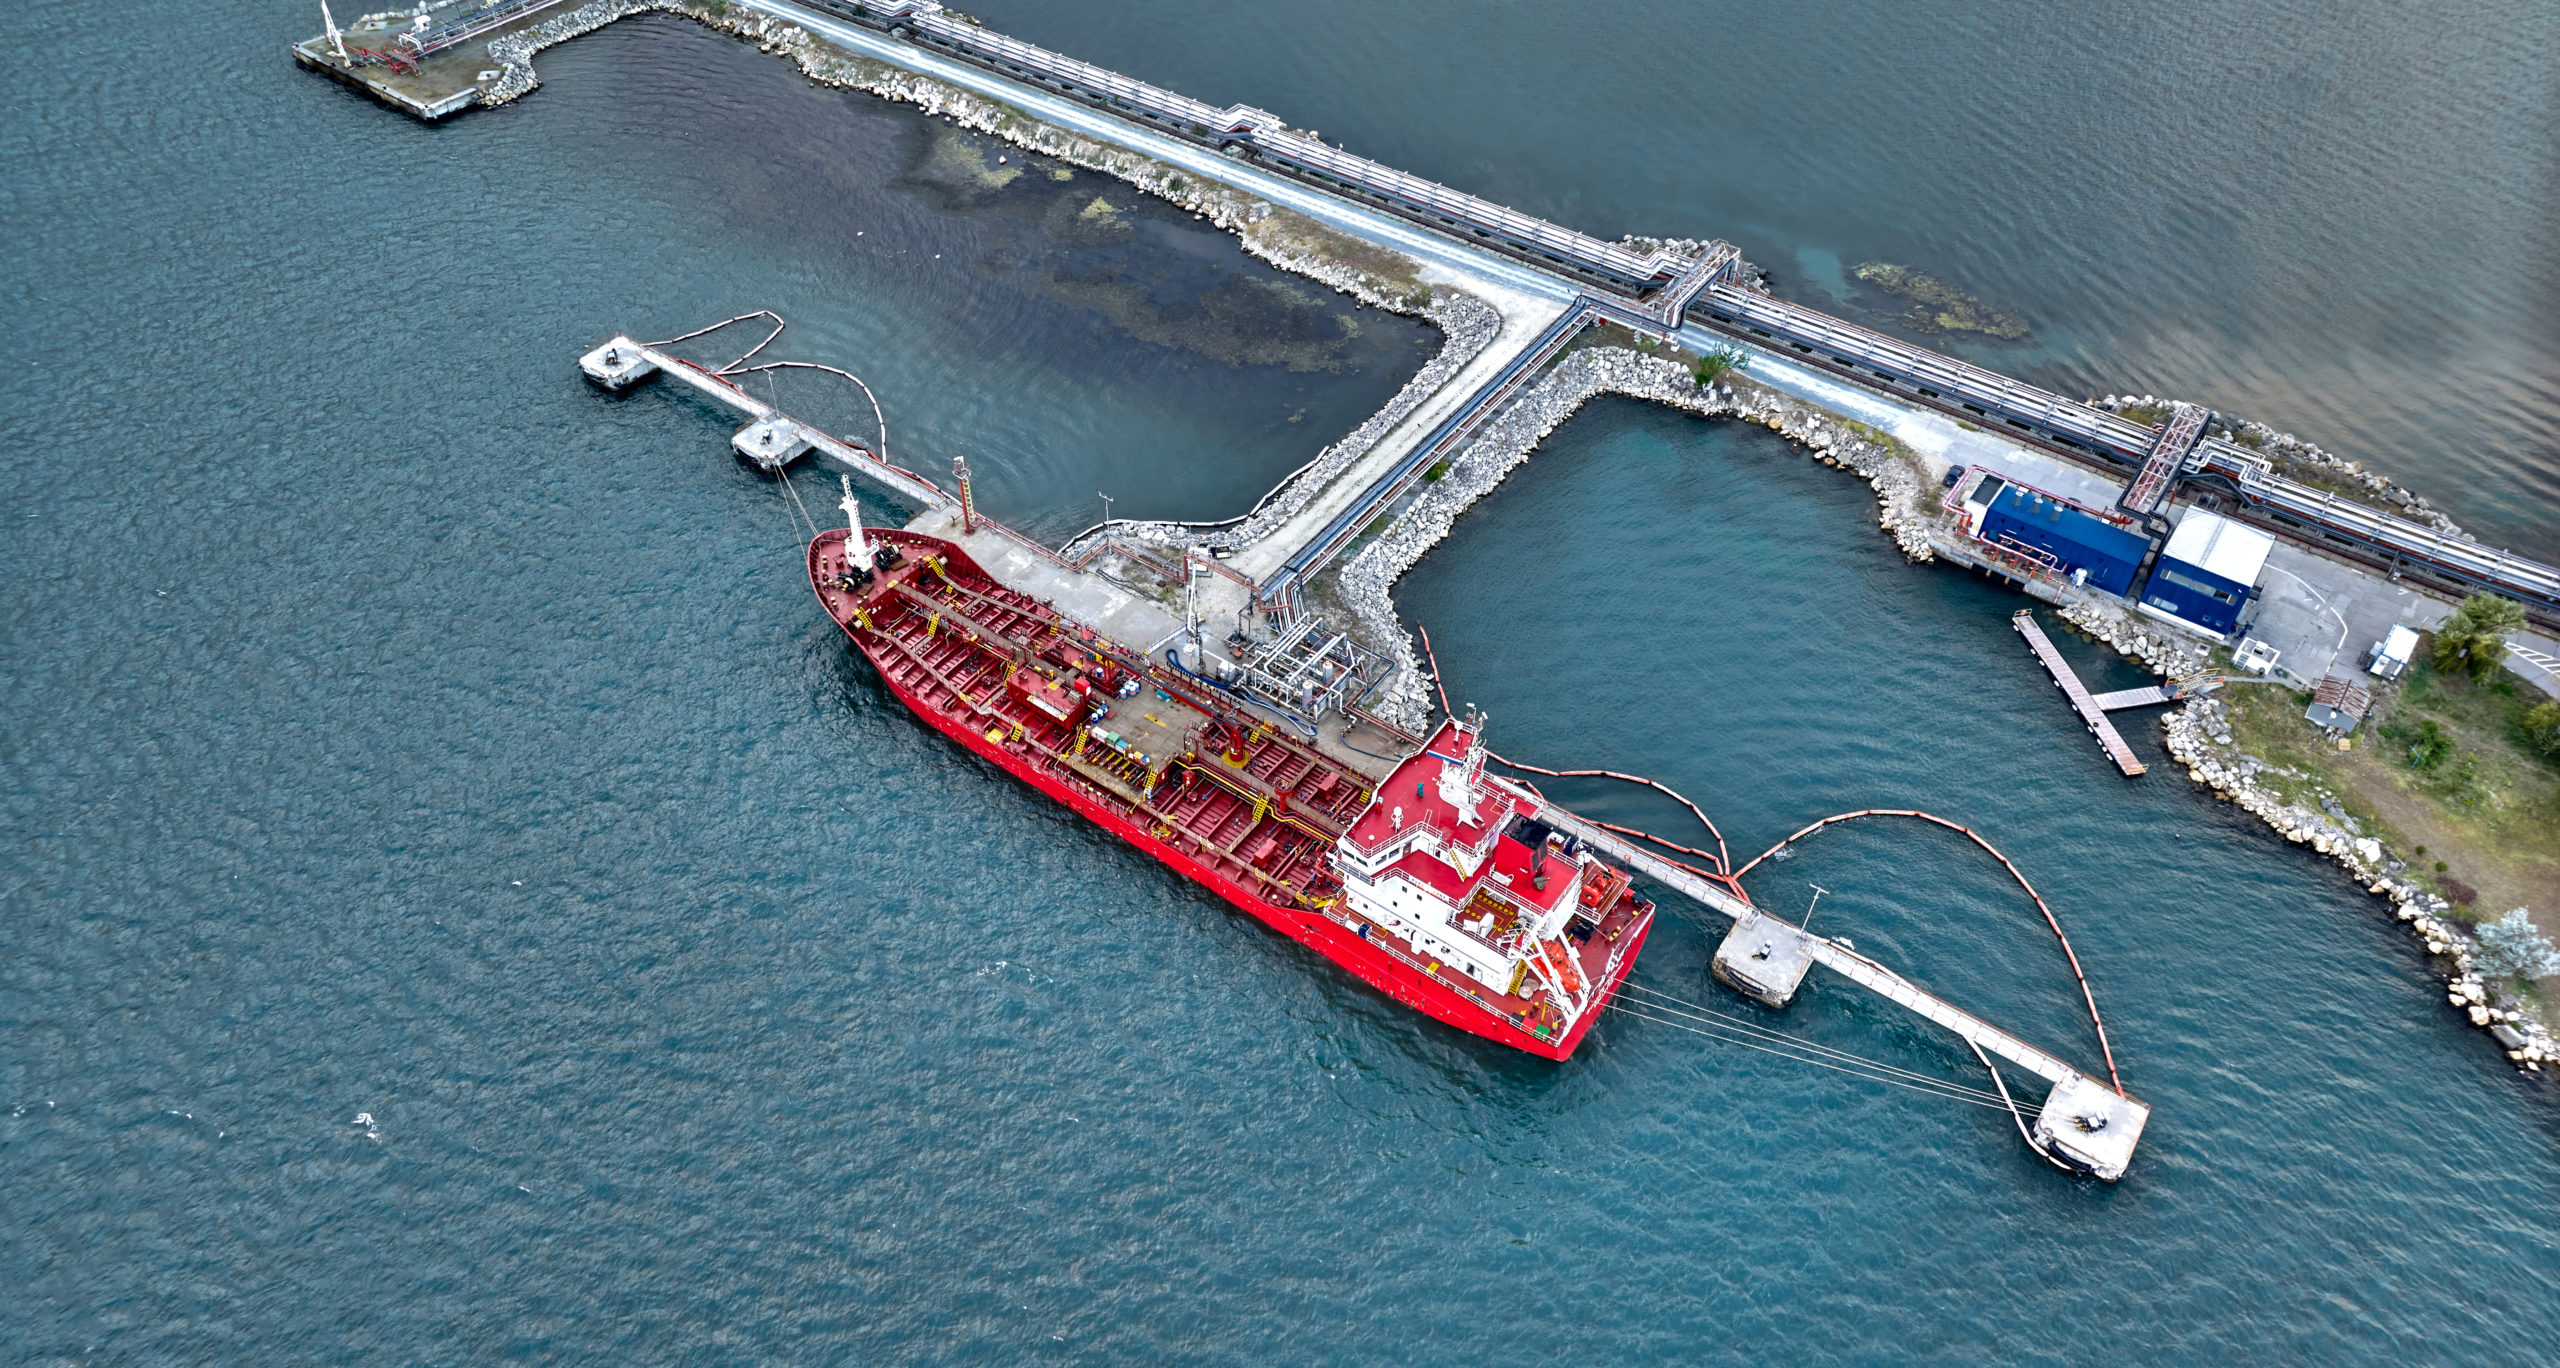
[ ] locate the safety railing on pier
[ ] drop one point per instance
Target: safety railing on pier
(442, 33)
(1442, 438)
(1725, 304)
(2398, 540)
(1262, 131)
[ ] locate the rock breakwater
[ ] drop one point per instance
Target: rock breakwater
(2199, 738)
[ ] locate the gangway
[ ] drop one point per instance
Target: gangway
(2168, 455)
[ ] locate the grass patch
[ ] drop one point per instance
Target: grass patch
(1436, 472)
(2442, 771)
(1390, 272)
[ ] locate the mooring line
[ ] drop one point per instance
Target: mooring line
(1964, 1096)
(2050, 920)
(1656, 1000)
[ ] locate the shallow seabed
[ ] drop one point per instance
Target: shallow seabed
(397, 728)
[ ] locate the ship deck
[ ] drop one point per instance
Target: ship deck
(1238, 797)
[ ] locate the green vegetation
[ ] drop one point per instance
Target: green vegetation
(2149, 415)
(2450, 773)
(1719, 362)
(2474, 639)
(2430, 745)
(2541, 724)
(1438, 469)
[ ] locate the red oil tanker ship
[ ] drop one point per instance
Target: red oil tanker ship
(1437, 883)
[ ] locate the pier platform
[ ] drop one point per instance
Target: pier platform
(771, 438)
(2090, 709)
(430, 73)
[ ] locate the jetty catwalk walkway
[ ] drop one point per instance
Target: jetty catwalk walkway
(2084, 1125)
(770, 439)
(1694, 289)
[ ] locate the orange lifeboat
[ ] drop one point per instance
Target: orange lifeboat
(1559, 958)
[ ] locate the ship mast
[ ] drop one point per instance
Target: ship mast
(857, 550)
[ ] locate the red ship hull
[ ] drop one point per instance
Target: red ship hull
(1334, 935)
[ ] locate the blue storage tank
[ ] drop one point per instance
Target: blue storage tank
(2076, 538)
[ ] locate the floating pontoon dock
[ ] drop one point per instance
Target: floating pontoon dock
(2093, 710)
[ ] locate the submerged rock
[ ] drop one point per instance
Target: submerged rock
(1939, 307)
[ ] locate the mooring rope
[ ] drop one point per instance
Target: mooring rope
(1654, 999)
(2050, 920)
(1949, 1093)
(794, 492)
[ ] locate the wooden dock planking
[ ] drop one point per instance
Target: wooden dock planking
(2091, 711)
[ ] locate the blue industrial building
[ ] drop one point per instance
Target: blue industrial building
(2007, 514)
(2207, 572)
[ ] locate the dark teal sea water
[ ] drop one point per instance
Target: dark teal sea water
(396, 727)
